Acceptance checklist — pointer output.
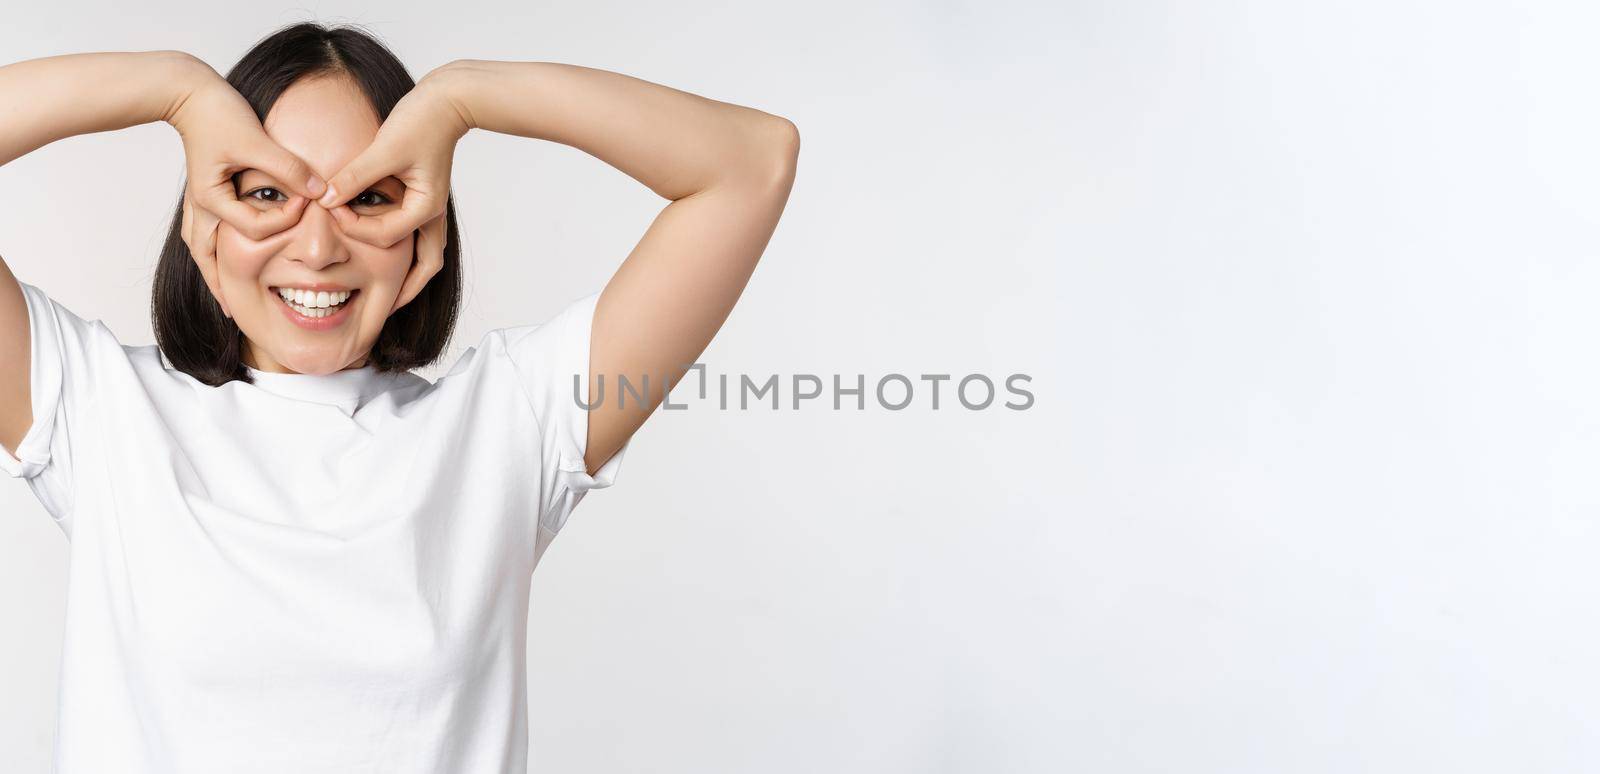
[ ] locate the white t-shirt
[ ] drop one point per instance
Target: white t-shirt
(309, 573)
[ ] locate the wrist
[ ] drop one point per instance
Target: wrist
(182, 75)
(450, 86)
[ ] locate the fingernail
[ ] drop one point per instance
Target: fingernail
(315, 185)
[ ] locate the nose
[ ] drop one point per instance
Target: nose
(317, 241)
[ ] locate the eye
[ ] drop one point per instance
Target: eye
(266, 194)
(370, 198)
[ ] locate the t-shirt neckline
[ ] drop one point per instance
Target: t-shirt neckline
(344, 389)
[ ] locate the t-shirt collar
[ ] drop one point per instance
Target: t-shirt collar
(346, 389)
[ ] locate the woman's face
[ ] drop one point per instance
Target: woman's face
(327, 122)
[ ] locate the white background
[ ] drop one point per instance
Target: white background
(1307, 293)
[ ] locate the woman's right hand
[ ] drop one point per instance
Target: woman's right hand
(222, 137)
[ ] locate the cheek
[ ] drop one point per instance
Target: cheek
(240, 259)
(390, 264)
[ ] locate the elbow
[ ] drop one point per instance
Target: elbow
(780, 152)
(786, 136)
(761, 160)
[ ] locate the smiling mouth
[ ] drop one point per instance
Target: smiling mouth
(315, 312)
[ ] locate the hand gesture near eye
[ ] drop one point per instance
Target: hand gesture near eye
(415, 145)
(221, 137)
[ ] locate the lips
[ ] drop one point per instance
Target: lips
(335, 316)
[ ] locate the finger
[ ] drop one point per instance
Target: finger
(431, 241)
(199, 230)
(389, 228)
(187, 222)
(429, 260)
(285, 167)
(200, 234)
(207, 234)
(372, 165)
(253, 223)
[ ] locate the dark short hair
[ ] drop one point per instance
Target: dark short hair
(190, 328)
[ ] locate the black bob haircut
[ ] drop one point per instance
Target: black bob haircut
(190, 328)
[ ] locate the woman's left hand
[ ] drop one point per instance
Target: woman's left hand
(415, 145)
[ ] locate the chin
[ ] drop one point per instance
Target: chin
(306, 362)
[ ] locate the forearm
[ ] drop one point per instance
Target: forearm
(62, 96)
(674, 142)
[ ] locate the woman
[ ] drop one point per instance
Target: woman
(290, 553)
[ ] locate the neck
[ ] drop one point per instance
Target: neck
(269, 365)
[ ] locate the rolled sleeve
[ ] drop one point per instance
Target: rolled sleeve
(45, 365)
(552, 364)
(58, 344)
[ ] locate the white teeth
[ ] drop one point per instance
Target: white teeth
(318, 300)
(315, 305)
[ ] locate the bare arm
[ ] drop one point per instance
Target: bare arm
(676, 143)
(48, 100)
(726, 169)
(62, 96)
